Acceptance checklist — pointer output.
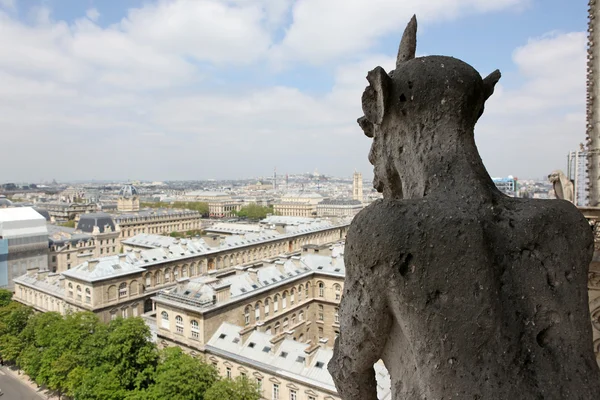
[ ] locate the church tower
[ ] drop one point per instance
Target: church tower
(129, 200)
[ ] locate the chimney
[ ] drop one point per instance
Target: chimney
(182, 282)
(42, 275)
(138, 253)
(92, 264)
(277, 340)
(280, 228)
(246, 332)
(253, 274)
(122, 258)
(239, 270)
(223, 292)
(32, 271)
(280, 264)
(297, 261)
(310, 353)
(212, 240)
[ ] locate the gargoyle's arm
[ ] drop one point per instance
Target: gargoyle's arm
(365, 324)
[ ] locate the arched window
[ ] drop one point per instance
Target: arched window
(293, 319)
(112, 292)
(195, 329)
(167, 275)
(88, 295)
(257, 311)
(300, 289)
(292, 295)
(301, 337)
(184, 271)
(164, 319)
(148, 280)
(78, 292)
(176, 273)
(266, 307)
(71, 289)
(338, 291)
(179, 324)
(284, 300)
(336, 316)
(157, 279)
(275, 303)
(321, 289)
(277, 328)
(306, 291)
(301, 315)
(286, 324)
(247, 315)
(268, 330)
(320, 312)
(123, 289)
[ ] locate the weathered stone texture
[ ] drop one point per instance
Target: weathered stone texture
(463, 292)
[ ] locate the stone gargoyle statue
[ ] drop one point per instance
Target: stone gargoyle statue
(463, 292)
(563, 187)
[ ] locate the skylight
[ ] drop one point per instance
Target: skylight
(222, 336)
(319, 364)
(236, 340)
(266, 349)
(300, 359)
(283, 354)
(251, 345)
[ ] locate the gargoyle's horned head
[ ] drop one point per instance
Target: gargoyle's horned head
(424, 86)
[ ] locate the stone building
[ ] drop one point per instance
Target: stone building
(298, 205)
(129, 199)
(23, 243)
(220, 204)
(357, 186)
(63, 211)
(69, 247)
(273, 321)
(339, 208)
(124, 284)
(156, 221)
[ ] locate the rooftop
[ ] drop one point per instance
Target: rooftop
(289, 358)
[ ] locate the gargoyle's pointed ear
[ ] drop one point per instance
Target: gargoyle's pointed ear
(489, 82)
(408, 44)
(375, 96)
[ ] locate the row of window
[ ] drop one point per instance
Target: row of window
(88, 293)
(284, 297)
(194, 326)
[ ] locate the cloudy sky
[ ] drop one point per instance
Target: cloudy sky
(197, 89)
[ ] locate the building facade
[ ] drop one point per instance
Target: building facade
(23, 243)
(123, 284)
(339, 208)
(357, 187)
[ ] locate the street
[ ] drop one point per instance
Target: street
(15, 389)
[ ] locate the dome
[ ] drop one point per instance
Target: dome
(128, 191)
(4, 202)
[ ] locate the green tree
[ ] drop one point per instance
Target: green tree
(5, 297)
(101, 383)
(181, 376)
(10, 348)
(68, 224)
(14, 318)
(240, 388)
(254, 211)
(130, 352)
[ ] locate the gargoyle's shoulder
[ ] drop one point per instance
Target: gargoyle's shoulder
(385, 214)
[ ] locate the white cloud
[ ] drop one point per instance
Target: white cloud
(348, 28)
(9, 4)
(92, 14)
(535, 125)
(130, 100)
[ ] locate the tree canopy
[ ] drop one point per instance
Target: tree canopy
(78, 356)
(254, 211)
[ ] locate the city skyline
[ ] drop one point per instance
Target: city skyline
(266, 83)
